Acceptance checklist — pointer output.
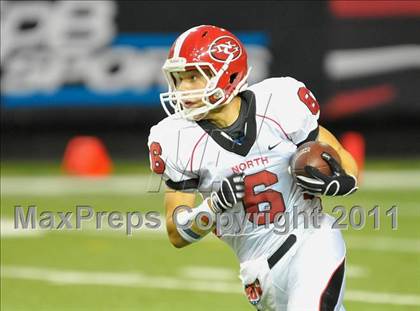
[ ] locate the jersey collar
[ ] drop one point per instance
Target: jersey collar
(224, 140)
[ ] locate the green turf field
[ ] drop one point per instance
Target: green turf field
(108, 270)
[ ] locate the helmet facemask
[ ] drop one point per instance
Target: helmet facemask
(211, 96)
(211, 49)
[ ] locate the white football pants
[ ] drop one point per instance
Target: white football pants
(314, 278)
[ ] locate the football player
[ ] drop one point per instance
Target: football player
(232, 144)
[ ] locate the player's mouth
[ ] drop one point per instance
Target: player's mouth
(189, 104)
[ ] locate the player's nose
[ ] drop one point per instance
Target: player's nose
(185, 85)
(182, 86)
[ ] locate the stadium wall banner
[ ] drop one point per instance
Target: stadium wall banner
(70, 53)
(372, 62)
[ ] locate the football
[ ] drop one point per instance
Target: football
(310, 154)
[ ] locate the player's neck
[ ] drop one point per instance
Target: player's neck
(227, 114)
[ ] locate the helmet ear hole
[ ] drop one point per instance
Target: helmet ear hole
(233, 77)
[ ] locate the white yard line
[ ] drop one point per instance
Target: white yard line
(391, 180)
(141, 184)
(131, 279)
(382, 298)
(62, 185)
(8, 231)
(136, 279)
(356, 272)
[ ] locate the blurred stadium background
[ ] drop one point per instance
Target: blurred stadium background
(91, 69)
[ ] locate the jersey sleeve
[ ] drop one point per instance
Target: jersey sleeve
(165, 159)
(297, 110)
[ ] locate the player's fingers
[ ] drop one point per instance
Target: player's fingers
(310, 180)
(310, 185)
(334, 165)
(316, 173)
(240, 195)
(309, 189)
(238, 179)
(313, 193)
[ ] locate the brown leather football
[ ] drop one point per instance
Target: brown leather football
(310, 154)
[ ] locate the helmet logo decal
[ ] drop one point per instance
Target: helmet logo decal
(224, 46)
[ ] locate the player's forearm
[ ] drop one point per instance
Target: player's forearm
(181, 236)
(189, 225)
(347, 161)
(186, 225)
(173, 199)
(174, 237)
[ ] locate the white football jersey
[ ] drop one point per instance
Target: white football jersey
(282, 114)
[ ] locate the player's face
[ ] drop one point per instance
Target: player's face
(189, 81)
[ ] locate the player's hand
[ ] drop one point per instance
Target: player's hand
(231, 191)
(340, 183)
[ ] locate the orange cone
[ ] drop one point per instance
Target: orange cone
(354, 143)
(86, 156)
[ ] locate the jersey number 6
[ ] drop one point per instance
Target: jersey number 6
(308, 99)
(259, 203)
(158, 165)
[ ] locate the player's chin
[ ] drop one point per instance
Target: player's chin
(192, 107)
(199, 117)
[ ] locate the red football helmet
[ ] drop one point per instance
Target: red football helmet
(215, 50)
